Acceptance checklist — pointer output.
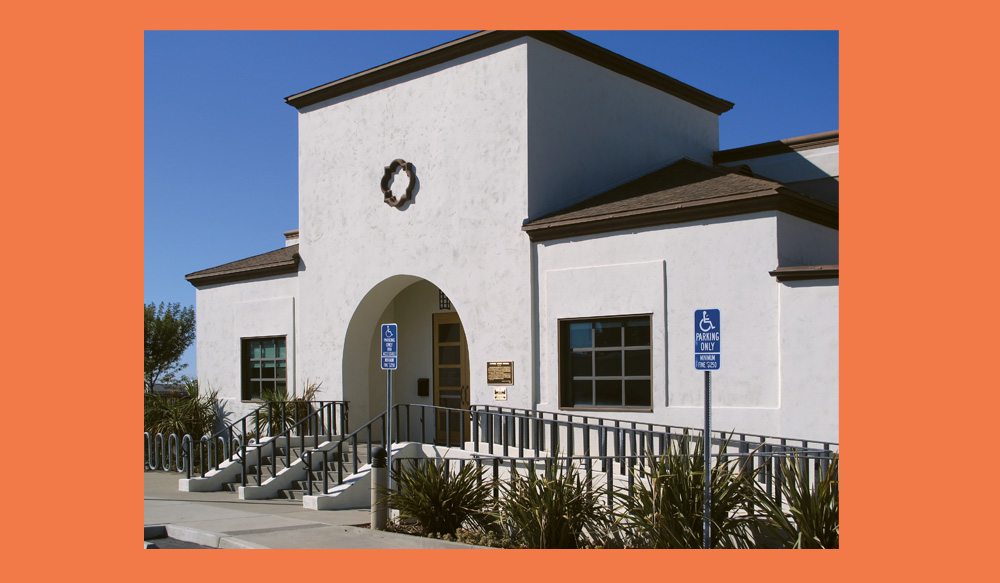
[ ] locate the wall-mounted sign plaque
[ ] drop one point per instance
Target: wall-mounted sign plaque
(500, 373)
(499, 393)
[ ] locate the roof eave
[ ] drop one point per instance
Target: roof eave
(281, 268)
(780, 199)
(775, 148)
(486, 39)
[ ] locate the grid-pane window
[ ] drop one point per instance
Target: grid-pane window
(605, 363)
(265, 367)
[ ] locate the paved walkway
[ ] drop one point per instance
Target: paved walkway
(222, 520)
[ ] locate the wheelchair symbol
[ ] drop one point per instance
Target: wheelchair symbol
(705, 324)
(388, 332)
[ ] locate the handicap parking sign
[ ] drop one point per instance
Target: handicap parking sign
(707, 339)
(390, 347)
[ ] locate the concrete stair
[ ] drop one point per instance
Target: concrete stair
(299, 488)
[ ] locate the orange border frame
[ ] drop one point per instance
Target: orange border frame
(73, 107)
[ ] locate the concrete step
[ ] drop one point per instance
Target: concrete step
(294, 494)
(317, 482)
(298, 488)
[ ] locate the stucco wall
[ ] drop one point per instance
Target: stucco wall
(229, 312)
(591, 129)
(464, 127)
(810, 357)
(720, 263)
(488, 154)
(801, 242)
(808, 164)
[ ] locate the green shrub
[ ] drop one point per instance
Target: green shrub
(193, 414)
(666, 508)
(440, 499)
(554, 510)
(281, 413)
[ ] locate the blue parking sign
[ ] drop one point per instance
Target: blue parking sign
(707, 339)
(390, 347)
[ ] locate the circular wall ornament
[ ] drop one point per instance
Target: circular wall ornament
(390, 171)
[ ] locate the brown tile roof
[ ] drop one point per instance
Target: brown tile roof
(683, 191)
(278, 262)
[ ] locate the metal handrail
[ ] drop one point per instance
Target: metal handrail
(326, 411)
(365, 429)
(767, 468)
(602, 439)
(543, 435)
(801, 444)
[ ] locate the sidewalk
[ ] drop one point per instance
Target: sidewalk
(222, 520)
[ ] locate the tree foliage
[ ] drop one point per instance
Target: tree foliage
(169, 332)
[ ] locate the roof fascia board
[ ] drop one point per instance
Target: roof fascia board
(781, 200)
(283, 268)
(486, 39)
(778, 147)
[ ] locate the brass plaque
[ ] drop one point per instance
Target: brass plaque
(500, 394)
(500, 373)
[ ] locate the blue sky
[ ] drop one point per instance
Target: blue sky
(221, 169)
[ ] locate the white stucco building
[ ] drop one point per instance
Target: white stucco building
(569, 212)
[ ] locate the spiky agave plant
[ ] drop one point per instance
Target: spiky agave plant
(666, 507)
(440, 499)
(554, 509)
(812, 517)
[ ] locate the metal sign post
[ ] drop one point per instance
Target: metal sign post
(390, 347)
(707, 357)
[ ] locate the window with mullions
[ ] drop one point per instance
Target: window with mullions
(264, 367)
(605, 363)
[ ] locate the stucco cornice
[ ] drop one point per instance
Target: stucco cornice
(780, 199)
(798, 273)
(486, 39)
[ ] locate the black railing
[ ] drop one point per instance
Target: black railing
(181, 453)
(284, 422)
(503, 430)
(615, 476)
(373, 432)
(512, 434)
(509, 428)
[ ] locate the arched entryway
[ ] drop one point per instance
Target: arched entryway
(433, 361)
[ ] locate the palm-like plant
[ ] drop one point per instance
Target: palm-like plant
(554, 510)
(440, 499)
(194, 414)
(282, 413)
(666, 507)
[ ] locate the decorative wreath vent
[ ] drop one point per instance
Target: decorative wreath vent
(390, 171)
